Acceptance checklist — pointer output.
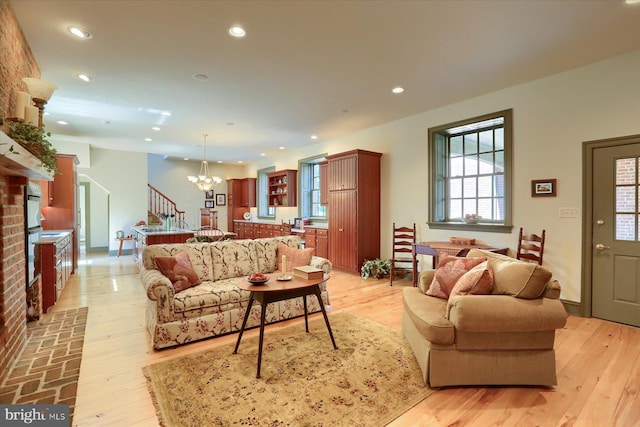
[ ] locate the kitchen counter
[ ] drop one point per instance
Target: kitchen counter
(144, 235)
(153, 230)
(52, 236)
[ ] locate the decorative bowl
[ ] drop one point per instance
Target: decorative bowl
(258, 282)
(471, 219)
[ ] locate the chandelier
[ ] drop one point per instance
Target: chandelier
(204, 181)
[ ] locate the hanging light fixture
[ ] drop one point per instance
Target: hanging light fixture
(204, 181)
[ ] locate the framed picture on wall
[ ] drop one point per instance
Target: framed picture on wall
(208, 203)
(209, 195)
(221, 199)
(543, 187)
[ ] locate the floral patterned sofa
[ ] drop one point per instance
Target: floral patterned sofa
(216, 306)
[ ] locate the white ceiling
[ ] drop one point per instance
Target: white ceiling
(300, 67)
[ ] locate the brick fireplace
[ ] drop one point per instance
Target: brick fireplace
(15, 171)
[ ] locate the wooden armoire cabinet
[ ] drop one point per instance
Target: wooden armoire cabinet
(241, 196)
(354, 208)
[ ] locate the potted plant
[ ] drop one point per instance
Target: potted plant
(377, 268)
(34, 139)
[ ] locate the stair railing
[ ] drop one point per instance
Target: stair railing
(161, 204)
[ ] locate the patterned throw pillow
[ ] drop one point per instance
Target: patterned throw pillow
(450, 269)
(477, 281)
(178, 269)
(295, 257)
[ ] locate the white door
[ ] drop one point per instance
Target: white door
(615, 245)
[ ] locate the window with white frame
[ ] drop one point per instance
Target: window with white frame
(470, 173)
(309, 189)
(264, 210)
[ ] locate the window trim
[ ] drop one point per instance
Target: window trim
(308, 160)
(258, 195)
(434, 183)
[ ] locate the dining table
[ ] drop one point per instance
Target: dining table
(435, 249)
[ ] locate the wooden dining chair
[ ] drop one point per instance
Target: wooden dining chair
(403, 240)
(530, 246)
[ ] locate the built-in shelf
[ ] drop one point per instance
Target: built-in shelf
(15, 160)
(282, 188)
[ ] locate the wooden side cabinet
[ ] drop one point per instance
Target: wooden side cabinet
(283, 188)
(241, 196)
(208, 218)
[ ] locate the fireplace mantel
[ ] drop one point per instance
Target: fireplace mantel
(20, 162)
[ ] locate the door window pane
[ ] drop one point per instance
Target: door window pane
(625, 227)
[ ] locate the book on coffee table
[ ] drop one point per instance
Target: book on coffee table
(308, 272)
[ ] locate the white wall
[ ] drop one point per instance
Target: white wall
(123, 175)
(169, 176)
(97, 204)
(552, 118)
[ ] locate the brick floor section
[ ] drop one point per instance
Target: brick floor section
(47, 369)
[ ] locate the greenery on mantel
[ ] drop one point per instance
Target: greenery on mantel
(377, 268)
(34, 139)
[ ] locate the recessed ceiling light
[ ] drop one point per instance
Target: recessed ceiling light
(201, 77)
(237, 31)
(397, 89)
(80, 32)
(186, 158)
(46, 113)
(156, 128)
(239, 161)
(262, 154)
(148, 139)
(632, 1)
(62, 122)
(230, 124)
(219, 161)
(83, 77)
(282, 148)
(166, 113)
(314, 136)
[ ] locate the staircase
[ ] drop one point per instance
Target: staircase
(161, 204)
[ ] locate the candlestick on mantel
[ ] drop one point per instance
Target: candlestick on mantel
(22, 101)
(31, 115)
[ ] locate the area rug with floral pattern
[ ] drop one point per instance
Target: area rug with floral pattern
(370, 380)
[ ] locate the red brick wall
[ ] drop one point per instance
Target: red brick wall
(13, 325)
(17, 62)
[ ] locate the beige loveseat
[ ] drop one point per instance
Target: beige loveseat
(216, 306)
(504, 338)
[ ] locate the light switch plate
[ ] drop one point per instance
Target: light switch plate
(569, 212)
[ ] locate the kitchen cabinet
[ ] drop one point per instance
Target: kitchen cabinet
(54, 262)
(317, 238)
(283, 188)
(59, 202)
(241, 196)
(208, 218)
(354, 208)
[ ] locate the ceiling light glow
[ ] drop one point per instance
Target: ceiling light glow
(83, 77)
(156, 128)
(397, 89)
(80, 33)
(200, 77)
(237, 31)
(62, 122)
(632, 1)
(314, 136)
(148, 139)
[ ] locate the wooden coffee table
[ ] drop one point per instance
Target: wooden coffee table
(275, 290)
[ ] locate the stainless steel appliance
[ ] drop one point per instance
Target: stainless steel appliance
(33, 217)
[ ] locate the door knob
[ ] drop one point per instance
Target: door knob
(600, 222)
(602, 247)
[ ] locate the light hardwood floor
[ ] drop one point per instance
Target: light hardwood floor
(598, 362)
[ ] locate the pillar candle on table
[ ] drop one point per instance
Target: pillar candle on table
(284, 265)
(23, 99)
(31, 115)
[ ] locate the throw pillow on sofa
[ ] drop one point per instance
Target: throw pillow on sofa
(178, 270)
(513, 277)
(450, 269)
(477, 281)
(295, 257)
